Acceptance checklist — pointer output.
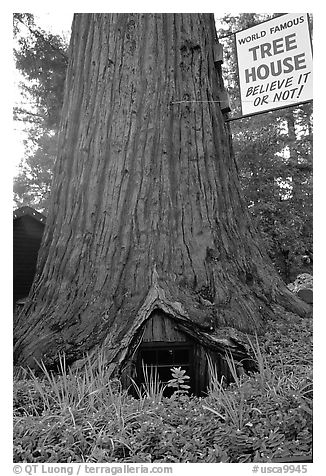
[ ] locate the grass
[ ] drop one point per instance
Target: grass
(226, 404)
(86, 417)
(152, 388)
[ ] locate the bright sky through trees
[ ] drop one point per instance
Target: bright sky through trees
(58, 23)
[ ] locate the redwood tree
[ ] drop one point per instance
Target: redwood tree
(146, 209)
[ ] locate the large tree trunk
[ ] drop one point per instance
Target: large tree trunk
(146, 208)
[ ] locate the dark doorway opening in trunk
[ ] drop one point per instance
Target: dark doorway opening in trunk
(163, 357)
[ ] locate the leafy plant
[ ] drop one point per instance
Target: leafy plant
(178, 381)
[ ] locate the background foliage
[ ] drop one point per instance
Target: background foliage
(42, 59)
(273, 150)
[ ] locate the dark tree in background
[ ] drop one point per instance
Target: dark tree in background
(146, 209)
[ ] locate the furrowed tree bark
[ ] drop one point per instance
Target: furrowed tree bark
(146, 209)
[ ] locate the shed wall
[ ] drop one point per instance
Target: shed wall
(27, 237)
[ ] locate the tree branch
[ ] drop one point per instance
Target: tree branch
(38, 34)
(18, 110)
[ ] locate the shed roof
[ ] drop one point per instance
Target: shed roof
(23, 211)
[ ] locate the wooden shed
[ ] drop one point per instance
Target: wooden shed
(164, 344)
(28, 227)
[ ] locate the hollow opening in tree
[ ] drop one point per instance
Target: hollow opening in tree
(160, 358)
(163, 344)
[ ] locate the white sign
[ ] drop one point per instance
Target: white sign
(275, 63)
